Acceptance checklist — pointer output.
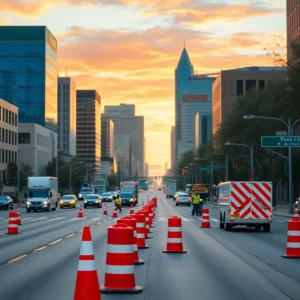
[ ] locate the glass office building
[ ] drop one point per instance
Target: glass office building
(28, 73)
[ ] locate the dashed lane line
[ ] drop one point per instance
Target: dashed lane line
(16, 259)
(69, 236)
(40, 249)
(55, 242)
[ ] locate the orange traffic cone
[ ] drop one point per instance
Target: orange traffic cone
(115, 215)
(19, 216)
(87, 283)
(293, 237)
(12, 223)
(119, 274)
(131, 212)
(105, 210)
(205, 218)
(174, 242)
(80, 213)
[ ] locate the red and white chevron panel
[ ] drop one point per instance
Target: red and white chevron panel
(251, 200)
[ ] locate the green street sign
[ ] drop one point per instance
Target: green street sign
(280, 141)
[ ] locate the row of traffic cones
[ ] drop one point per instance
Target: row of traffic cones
(14, 220)
(123, 241)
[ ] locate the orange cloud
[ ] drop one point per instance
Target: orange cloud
(208, 13)
(33, 8)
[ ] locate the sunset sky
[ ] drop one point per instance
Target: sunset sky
(128, 49)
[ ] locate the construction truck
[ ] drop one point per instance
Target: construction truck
(245, 203)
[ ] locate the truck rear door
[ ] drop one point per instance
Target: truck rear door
(251, 200)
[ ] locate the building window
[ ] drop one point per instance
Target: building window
(250, 85)
(6, 115)
(3, 114)
(24, 138)
(261, 84)
(239, 87)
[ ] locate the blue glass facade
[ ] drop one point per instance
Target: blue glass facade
(28, 73)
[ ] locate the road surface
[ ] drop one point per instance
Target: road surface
(41, 262)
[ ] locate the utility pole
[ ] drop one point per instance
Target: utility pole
(291, 208)
(70, 178)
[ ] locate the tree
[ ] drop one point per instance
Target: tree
(112, 181)
(12, 175)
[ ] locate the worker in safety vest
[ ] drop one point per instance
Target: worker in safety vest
(195, 202)
(118, 203)
(201, 203)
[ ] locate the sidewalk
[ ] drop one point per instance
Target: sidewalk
(279, 211)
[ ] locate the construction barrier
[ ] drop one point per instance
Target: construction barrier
(205, 218)
(12, 223)
(140, 231)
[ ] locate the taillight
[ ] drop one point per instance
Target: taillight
(231, 214)
(177, 199)
(270, 213)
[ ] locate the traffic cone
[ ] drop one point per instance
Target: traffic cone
(115, 214)
(293, 237)
(19, 216)
(131, 222)
(205, 218)
(105, 210)
(13, 223)
(174, 242)
(80, 212)
(131, 212)
(140, 231)
(87, 283)
(146, 212)
(119, 274)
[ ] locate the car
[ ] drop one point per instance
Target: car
(175, 196)
(107, 197)
(93, 200)
(183, 198)
(114, 194)
(68, 201)
(6, 202)
(128, 198)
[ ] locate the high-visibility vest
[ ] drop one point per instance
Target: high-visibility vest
(118, 201)
(196, 199)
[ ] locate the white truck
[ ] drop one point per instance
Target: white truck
(246, 203)
(171, 189)
(42, 194)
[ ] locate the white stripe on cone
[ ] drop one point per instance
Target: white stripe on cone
(174, 229)
(119, 248)
(293, 245)
(86, 248)
(86, 265)
(173, 240)
(140, 225)
(140, 235)
(119, 269)
(293, 233)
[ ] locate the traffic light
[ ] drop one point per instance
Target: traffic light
(182, 171)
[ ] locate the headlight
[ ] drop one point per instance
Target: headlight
(72, 202)
(61, 202)
(45, 202)
(131, 200)
(97, 201)
(85, 201)
(79, 195)
(28, 203)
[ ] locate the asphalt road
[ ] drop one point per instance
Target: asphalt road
(242, 264)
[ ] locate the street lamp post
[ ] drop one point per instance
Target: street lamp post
(18, 172)
(250, 147)
(226, 163)
(211, 173)
(290, 127)
(195, 170)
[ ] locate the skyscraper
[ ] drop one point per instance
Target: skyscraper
(107, 139)
(67, 103)
(89, 128)
(293, 24)
(182, 74)
(126, 123)
(28, 73)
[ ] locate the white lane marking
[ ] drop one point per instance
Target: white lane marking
(24, 219)
(55, 219)
(211, 219)
(162, 219)
(186, 219)
(96, 219)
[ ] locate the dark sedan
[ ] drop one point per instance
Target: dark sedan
(6, 202)
(107, 197)
(127, 198)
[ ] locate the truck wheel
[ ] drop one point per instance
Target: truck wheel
(267, 227)
(227, 226)
(221, 222)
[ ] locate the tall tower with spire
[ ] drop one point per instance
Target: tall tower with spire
(182, 73)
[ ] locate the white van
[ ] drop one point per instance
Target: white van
(42, 194)
(247, 203)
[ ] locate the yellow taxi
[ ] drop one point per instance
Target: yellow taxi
(68, 201)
